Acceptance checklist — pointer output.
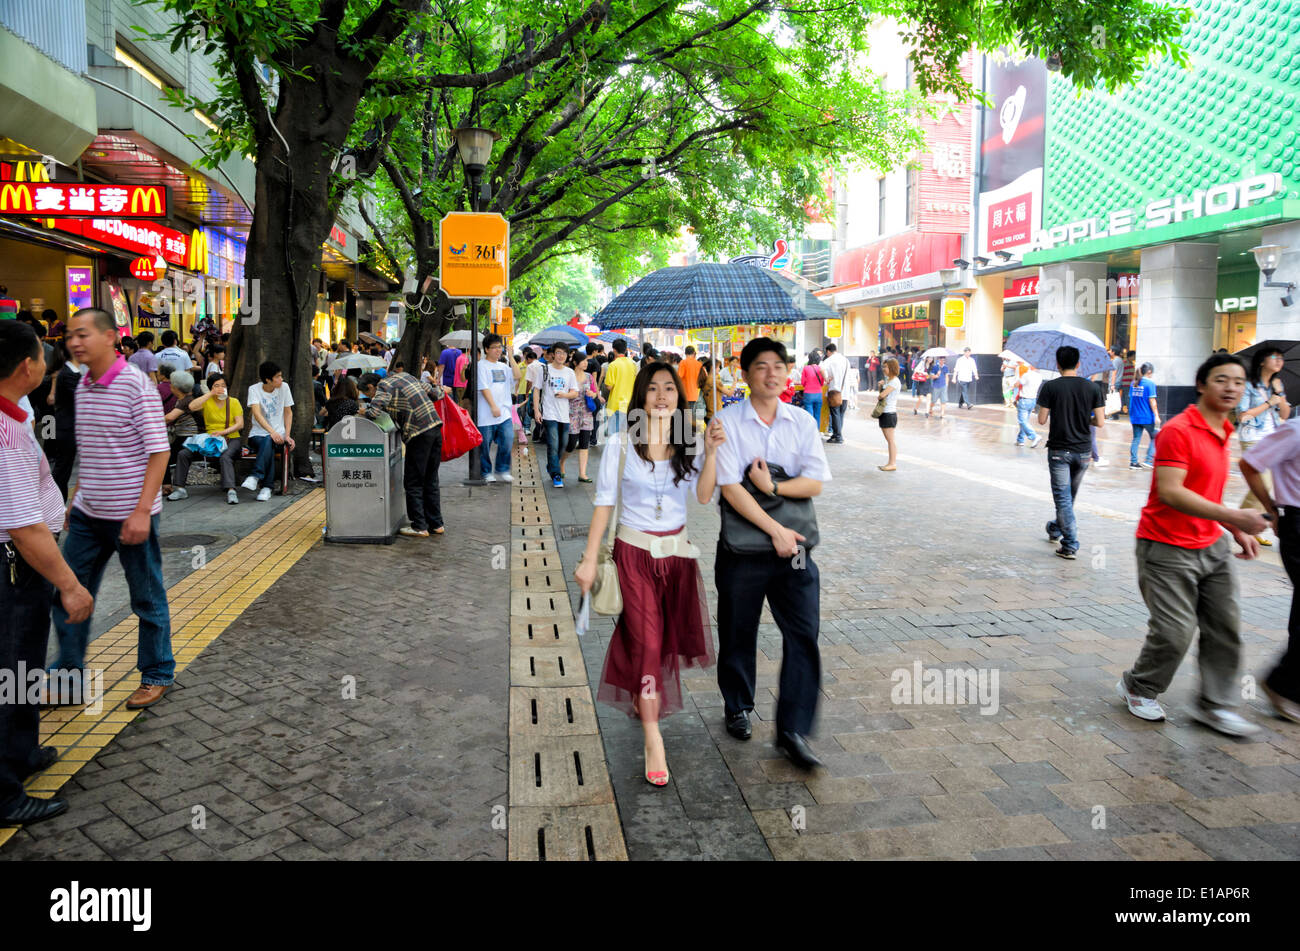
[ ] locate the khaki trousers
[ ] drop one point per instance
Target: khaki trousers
(1186, 589)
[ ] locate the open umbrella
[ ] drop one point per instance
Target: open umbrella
(1013, 357)
(609, 336)
(937, 352)
(712, 295)
(560, 333)
(1290, 371)
(368, 337)
(356, 361)
(457, 338)
(1036, 344)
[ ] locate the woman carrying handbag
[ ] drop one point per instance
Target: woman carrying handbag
(651, 565)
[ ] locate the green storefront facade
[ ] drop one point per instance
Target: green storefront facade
(1174, 179)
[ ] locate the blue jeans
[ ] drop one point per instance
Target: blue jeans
(1066, 469)
(557, 435)
(1025, 407)
(264, 467)
(966, 389)
(498, 434)
(89, 545)
(1138, 428)
(813, 404)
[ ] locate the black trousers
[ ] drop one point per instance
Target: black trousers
(25, 607)
(793, 593)
(1285, 678)
(62, 453)
(837, 419)
(420, 478)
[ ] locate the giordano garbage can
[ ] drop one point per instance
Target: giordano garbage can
(365, 502)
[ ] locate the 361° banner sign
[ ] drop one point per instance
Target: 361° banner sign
(474, 255)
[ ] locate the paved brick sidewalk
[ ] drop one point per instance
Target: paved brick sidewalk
(941, 564)
(260, 735)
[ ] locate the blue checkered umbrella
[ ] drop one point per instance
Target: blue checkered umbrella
(1036, 344)
(711, 295)
(609, 336)
(560, 333)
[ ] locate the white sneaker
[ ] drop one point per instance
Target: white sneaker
(1038, 441)
(250, 484)
(264, 493)
(1144, 708)
(177, 495)
(506, 477)
(1225, 721)
(489, 478)
(232, 497)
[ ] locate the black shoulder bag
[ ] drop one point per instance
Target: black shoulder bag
(743, 537)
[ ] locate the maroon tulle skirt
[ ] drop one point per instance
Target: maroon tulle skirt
(664, 626)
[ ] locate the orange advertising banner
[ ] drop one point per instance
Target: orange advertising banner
(474, 255)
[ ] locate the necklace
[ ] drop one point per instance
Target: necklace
(659, 489)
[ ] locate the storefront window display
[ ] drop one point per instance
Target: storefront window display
(909, 325)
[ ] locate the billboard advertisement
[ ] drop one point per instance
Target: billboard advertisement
(1012, 146)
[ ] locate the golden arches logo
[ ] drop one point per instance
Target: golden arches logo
(197, 260)
(15, 197)
(146, 200)
(30, 172)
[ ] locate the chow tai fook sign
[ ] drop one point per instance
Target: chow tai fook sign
(73, 200)
(905, 262)
(1201, 203)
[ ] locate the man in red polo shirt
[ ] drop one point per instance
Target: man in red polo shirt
(1183, 566)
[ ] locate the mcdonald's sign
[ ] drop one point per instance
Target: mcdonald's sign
(197, 260)
(78, 200)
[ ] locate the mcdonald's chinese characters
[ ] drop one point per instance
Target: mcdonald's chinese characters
(79, 200)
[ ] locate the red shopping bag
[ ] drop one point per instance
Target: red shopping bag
(459, 434)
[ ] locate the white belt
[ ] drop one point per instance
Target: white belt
(659, 546)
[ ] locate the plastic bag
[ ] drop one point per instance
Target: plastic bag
(459, 434)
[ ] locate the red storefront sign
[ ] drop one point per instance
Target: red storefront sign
(76, 200)
(906, 255)
(142, 237)
(142, 269)
(1010, 222)
(944, 194)
(1022, 287)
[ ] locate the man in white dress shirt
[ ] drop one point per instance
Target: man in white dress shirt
(763, 431)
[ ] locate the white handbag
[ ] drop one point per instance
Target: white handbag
(606, 594)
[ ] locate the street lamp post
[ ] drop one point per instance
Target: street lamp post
(475, 149)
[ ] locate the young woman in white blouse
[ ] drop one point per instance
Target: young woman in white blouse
(665, 619)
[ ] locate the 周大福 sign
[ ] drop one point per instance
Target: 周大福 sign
(473, 255)
(75, 200)
(1202, 202)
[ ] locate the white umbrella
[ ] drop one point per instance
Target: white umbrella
(1008, 355)
(457, 338)
(938, 352)
(356, 361)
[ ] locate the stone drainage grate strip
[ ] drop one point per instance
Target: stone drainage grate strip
(561, 797)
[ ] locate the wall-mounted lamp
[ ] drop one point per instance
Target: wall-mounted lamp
(1004, 255)
(961, 263)
(981, 260)
(1268, 257)
(949, 276)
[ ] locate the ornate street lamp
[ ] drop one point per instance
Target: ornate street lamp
(474, 146)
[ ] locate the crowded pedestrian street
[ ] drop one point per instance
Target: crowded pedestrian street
(394, 720)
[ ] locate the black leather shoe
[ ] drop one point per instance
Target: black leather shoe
(797, 749)
(29, 810)
(42, 759)
(738, 726)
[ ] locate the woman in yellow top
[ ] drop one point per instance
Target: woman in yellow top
(222, 416)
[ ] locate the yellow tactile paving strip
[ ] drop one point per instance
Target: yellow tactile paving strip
(202, 606)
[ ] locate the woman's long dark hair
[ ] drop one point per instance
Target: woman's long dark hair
(1257, 364)
(682, 435)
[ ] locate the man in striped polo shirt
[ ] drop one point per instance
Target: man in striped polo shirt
(31, 515)
(123, 451)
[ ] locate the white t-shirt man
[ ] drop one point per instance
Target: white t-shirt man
(836, 369)
(497, 378)
(273, 405)
(557, 380)
(965, 371)
(174, 357)
(1030, 383)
